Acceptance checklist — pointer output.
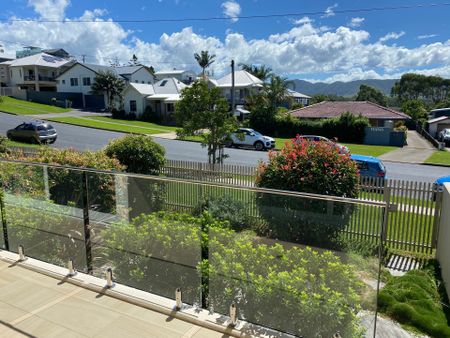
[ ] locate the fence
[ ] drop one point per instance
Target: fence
(427, 136)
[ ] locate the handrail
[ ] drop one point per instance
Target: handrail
(208, 184)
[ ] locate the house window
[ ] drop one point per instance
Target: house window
(170, 107)
(73, 81)
(86, 81)
(63, 82)
(142, 82)
(162, 84)
(149, 82)
(133, 106)
(137, 81)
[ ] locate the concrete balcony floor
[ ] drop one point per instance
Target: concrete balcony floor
(35, 305)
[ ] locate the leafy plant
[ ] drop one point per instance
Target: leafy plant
(3, 146)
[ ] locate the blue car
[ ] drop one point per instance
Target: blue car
(369, 166)
(441, 180)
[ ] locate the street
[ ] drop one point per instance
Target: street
(82, 138)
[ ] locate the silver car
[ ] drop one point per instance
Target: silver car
(444, 136)
(315, 138)
(246, 137)
(33, 132)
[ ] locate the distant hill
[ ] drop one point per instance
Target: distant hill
(341, 88)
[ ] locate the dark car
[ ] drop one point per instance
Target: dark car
(33, 132)
(369, 166)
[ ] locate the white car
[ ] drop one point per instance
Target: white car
(246, 137)
(444, 136)
(315, 138)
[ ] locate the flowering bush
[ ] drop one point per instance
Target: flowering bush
(311, 167)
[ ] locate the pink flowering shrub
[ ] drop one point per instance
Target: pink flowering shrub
(310, 167)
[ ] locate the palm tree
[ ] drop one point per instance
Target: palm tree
(108, 84)
(204, 60)
(262, 72)
(276, 91)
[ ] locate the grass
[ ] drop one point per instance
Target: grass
(20, 107)
(107, 123)
(414, 300)
(439, 157)
(10, 143)
(362, 149)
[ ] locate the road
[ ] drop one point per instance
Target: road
(93, 139)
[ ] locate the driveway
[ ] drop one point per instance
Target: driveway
(417, 150)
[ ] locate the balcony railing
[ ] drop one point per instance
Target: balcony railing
(40, 78)
(280, 258)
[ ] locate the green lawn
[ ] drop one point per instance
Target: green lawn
(10, 143)
(361, 149)
(106, 123)
(439, 157)
(20, 107)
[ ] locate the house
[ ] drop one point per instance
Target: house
(437, 124)
(4, 71)
(245, 84)
(159, 97)
(31, 50)
(435, 113)
(135, 74)
(37, 72)
(299, 97)
(185, 76)
(377, 115)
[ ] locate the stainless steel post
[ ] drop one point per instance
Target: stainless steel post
(178, 299)
(109, 278)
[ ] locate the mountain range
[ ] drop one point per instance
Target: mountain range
(340, 88)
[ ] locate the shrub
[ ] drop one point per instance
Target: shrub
(3, 147)
(138, 153)
(310, 167)
(413, 299)
(150, 116)
(66, 185)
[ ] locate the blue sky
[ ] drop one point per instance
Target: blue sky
(331, 46)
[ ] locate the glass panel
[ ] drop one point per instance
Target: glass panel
(42, 213)
(297, 266)
(148, 248)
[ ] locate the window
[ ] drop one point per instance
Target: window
(73, 81)
(170, 107)
(142, 82)
(63, 82)
(362, 166)
(133, 105)
(162, 84)
(86, 81)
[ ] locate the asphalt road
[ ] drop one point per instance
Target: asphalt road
(93, 139)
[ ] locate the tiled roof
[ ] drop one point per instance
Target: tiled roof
(328, 109)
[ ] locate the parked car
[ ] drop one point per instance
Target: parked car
(246, 137)
(444, 136)
(341, 148)
(33, 132)
(437, 185)
(370, 166)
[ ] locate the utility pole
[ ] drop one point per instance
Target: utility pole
(232, 87)
(83, 58)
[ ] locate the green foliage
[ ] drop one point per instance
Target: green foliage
(431, 89)
(200, 108)
(204, 60)
(367, 93)
(262, 72)
(346, 128)
(138, 153)
(3, 147)
(296, 290)
(311, 167)
(416, 109)
(413, 299)
(109, 84)
(275, 92)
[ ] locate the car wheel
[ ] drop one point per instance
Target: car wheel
(259, 146)
(229, 144)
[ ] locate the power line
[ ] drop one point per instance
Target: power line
(244, 17)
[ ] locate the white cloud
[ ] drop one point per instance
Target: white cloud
(49, 9)
(392, 36)
(302, 21)
(306, 49)
(231, 9)
(329, 12)
(356, 22)
(426, 36)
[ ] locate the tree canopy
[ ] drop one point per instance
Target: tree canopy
(204, 109)
(109, 84)
(262, 72)
(367, 93)
(416, 109)
(204, 60)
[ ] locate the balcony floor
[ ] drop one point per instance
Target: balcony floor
(34, 305)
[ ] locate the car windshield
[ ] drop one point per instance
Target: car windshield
(44, 127)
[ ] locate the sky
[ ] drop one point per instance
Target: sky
(319, 41)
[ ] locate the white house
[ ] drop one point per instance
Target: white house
(79, 78)
(185, 76)
(299, 97)
(160, 97)
(245, 84)
(135, 74)
(36, 72)
(437, 124)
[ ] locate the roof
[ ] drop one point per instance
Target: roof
(242, 78)
(329, 109)
(165, 97)
(169, 85)
(95, 68)
(293, 93)
(364, 158)
(440, 109)
(125, 70)
(143, 89)
(40, 59)
(174, 72)
(438, 119)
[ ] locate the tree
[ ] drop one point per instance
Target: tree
(262, 72)
(203, 108)
(204, 60)
(431, 89)
(276, 91)
(134, 61)
(416, 109)
(367, 93)
(108, 84)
